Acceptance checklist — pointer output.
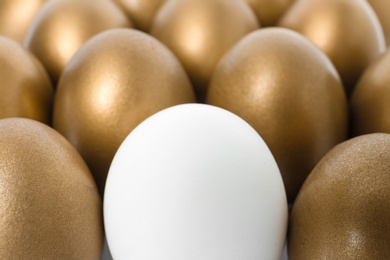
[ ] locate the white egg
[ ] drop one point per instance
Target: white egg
(195, 182)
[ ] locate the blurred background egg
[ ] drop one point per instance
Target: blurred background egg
(343, 209)
(382, 10)
(370, 101)
(25, 87)
(16, 17)
(348, 31)
(194, 182)
(290, 92)
(49, 203)
(62, 26)
(199, 32)
(114, 82)
(268, 12)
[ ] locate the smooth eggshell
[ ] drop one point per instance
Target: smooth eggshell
(195, 182)
(382, 10)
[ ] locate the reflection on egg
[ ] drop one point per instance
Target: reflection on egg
(268, 12)
(115, 81)
(194, 182)
(25, 87)
(49, 204)
(343, 209)
(348, 31)
(290, 92)
(382, 10)
(61, 27)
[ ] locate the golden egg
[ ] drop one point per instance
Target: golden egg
(199, 32)
(16, 17)
(25, 88)
(348, 31)
(290, 92)
(268, 12)
(62, 26)
(49, 203)
(370, 101)
(382, 9)
(343, 209)
(142, 12)
(116, 80)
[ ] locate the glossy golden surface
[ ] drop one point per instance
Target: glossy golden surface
(382, 9)
(16, 17)
(370, 102)
(118, 79)
(199, 32)
(141, 12)
(25, 87)
(348, 31)
(268, 12)
(62, 26)
(289, 91)
(343, 209)
(49, 204)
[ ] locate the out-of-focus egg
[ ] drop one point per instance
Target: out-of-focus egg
(199, 32)
(16, 17)
(290, 92)
(343, 209)
(370, 101)
(268, 12)
(382, 10)
(25, 87)
(116, 80)
(195, 182)
(348, 31)
(142, 12)
(62, 26)
(49, 204)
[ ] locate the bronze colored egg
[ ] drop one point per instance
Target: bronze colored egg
(49, 204)
(142, 12)
(370, 101)
(116, 80)
(343, 209)
(268, 12)
(25, 87)
(16, 17)
(348, 31)
(199, 32)
(62, 26)
(382, 10)
(290, 92)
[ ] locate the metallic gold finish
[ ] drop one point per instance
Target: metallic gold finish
(199, 32)
(382, 10)
(370, 102)
(116, 80)
(49, 204)
(61, 27)
(142, 12)
(343, 209)
(25, 87)
(16, 17)
(268, 12)
(347, 31)
(290, 92)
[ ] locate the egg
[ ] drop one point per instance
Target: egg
(343, 209)
(62, 27)
(142, 12)
(199, 32)
(25, 89)
(382, 10)
(269, 12)
(290, 92)
(348, 31)
(16, 17)
(49, 204)
(370, 102)
(194, 182)
(114, 82)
